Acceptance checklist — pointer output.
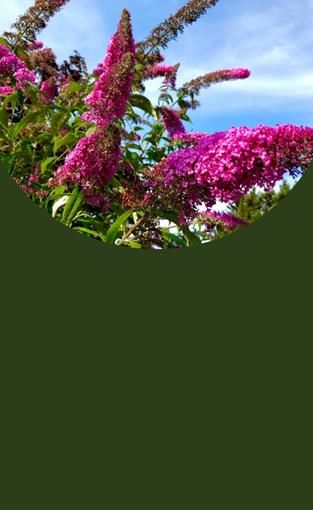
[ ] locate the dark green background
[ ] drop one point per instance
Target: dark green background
(156, 380)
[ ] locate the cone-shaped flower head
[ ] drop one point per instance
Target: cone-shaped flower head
(11, 64)
(91, 164)
(111, 92)
(34, 20)
(231, 163)
(161, 70)
(122, 42)
(172, 123)
(209, 79)
(109, 98)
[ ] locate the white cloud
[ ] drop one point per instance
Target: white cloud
(273, 39)
(76, 26)
(12, 10)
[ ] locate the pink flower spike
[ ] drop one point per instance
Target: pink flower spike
(36, 45)
(5, 91)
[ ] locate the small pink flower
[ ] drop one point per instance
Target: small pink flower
(48, 90)
(5, 91)
(36, 45)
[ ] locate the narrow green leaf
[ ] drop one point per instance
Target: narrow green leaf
(5, 163)
(192, 238)
(59, 203)
(84, 230)
(72, 206)
(3, 118)
(10, 99)
(60, 141)
(45, 163)
(91, 130)
(30, 118)
(4, 41)
(134, 244)
(115, 227)
(143, 103)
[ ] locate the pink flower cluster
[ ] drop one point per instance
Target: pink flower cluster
(36, 45)
(108, 100)
(229, 222)
(194, 86)
(11, 64)
(111, 92)
(231, 163)
(238, 73)
(162, 70)
(48, 90)
(122, 42)
(6, 90)
(172, 123)
(92, 164)
(95, 159)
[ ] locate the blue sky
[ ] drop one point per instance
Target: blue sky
(273, 39)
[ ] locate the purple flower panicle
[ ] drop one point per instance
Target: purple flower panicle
(122, 42)
(194, 86)
(6, 90)
(91, 164)
(13, 65)
(161, 70)
(111, 92)
(229, 164)
(109, 98)
(172, 123)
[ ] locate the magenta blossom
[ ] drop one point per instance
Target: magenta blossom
(36, 45)
(231, 163)
(228, 221)
(238, 73)
(194, 86)
(162, 70)
(91, 164)
(111, 92)
(11, 64)
(172, 122)
(122, 42)
(5, 91)
(48, 90)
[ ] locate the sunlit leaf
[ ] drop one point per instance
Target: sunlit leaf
(73, 204)
(115, 227)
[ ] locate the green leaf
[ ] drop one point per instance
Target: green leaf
(91, 130)
(22, 55)
(59, 203)
(84, 230)
(45, 163)
(115, 227)
(56, 192)
(5, 162)
(30, 118)
(143, 103)
(10, 99)
(4, 41)
(3, 118)
(134, 244)
(72, 206)
(192, 238)
(59, 119)
(73, 87)
(60, 141)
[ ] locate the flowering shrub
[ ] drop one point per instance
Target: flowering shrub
(94, 152)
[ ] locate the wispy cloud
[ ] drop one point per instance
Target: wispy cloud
(274, 40)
